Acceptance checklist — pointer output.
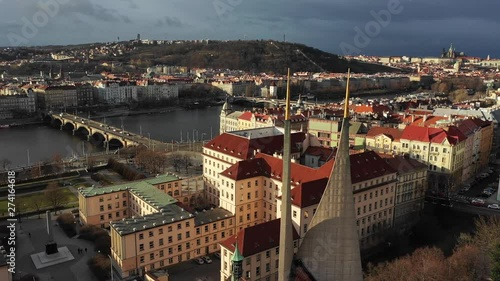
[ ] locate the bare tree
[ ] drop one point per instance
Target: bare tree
(58, 163)
(36, 204)
(53, 195)
(5, 163)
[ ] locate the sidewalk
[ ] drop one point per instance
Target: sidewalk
(76, 269)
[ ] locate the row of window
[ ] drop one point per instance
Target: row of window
(117, 215)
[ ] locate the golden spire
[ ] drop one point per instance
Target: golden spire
(287, 108)
(346, 105)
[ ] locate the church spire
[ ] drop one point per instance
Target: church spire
(330, 248)
(237, 260)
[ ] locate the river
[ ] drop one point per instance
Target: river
(39, 143)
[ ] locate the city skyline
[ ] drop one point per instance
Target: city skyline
(342, 27)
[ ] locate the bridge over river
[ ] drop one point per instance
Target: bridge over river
(115, 137)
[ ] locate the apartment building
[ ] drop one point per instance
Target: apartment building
(229, 148)
(85, 94)
(160, 92)
(10, 104)
(56, 97)
(257, 249)
(410, 190)
(328, 132)
(115, 93)
(441, 149)
(167, 237)
(101, 205)
(374, 186)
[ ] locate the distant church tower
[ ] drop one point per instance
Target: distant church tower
(330, 249)
(237, 267)
(226, 110)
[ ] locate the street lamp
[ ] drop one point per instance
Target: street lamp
(110, 264)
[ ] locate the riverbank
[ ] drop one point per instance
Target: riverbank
(21, 122)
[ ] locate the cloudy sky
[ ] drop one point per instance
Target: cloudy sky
(372, 27)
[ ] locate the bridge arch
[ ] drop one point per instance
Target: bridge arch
(83, 130)
(114, 142)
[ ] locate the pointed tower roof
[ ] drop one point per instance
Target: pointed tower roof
(330, 248)
(237, 257)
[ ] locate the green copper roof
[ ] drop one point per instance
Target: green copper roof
(162, 179)
(237, 257)
(143, 189)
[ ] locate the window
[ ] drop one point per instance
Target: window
(170, 239)
(101, 208)
(142, 259)
(294, 214)
(110, 216)
(141, 236)
(160, 242)
(109, 206)
(197, 231)
(102, 217)
(151, 234)
(179, 248)
(151, 244)
(101, 199)
(179, 236)
(141, 247)
(160, 231)
(257, 271)
(152, 256)
(161, 253)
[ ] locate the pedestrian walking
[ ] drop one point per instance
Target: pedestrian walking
(29, 234)
(85, 250)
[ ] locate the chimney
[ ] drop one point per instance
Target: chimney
(412, 118)
(424, 120)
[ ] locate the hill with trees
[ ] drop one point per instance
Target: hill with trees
(251, 56)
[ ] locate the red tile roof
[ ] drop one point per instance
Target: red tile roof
(247, 115)
(434, 135)
(244, 148)
(309, 193)
(402, 164)
(393, 133)
(324, 153)
(368, 165)
(256, 239)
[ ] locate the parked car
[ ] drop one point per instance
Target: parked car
(484, 175)
(207, 259)
(477, 202)
(466, 187)
(217, 255)
(494, 206)
(490, 171)
(199, 261)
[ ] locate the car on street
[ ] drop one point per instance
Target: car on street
(199, 261)
(494, 206)
(207, 259)
(466, 187)
(484, 175)
(217, 255)
(478, 202)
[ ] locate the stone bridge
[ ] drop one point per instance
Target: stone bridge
(101, 131)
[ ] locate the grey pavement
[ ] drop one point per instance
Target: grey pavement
(76, 269)
(191, 271)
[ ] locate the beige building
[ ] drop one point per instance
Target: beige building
(441, 149)
(258, 246)
(56, 97)
(374, 185)
(410, 190)
(167, 237)
(229, 148)
(101, 205)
